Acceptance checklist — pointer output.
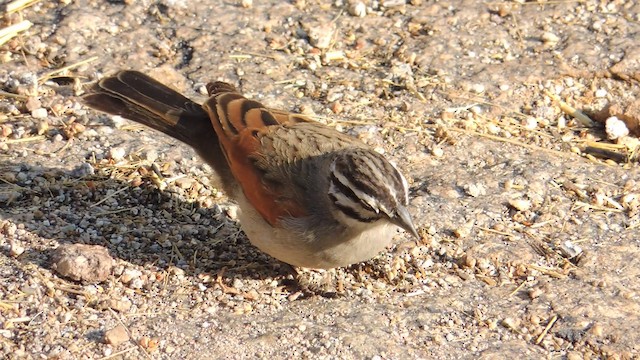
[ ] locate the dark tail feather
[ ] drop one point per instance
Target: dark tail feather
(138, 97)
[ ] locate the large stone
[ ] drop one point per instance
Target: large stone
(84, 263)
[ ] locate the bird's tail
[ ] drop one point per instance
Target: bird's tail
(142, 99)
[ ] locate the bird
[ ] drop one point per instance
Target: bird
(308, 195)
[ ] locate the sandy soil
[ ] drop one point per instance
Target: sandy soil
(529, 216)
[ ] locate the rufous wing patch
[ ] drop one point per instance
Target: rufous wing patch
(239, 123)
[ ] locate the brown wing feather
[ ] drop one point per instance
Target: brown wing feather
(239, 123)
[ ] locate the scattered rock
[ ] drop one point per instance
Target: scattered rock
(129, 275)
(570, 250)
(121, 305)
(520, 204)
(357, 8)
(15, 248)
(615, 128)
(39, 113)
(85, 263)
(117, 153)
(535, 293)
(185, 182)
(511, 323)
(320, 33)
(475, 190)
(43, 126)
(392, 3)
(629, 67)
(337, 107)
(32, 104)
(629, 114)
(116, 336)
(549, 38)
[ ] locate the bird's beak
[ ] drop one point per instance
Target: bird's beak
(403, 220)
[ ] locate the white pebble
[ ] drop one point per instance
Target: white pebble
(550, 38)
(130, 274)
(475, 190)
(562, 122)
(150, 155)
(39, 113)
(437, 151)
(232, 212)
(615, 128)
(136, 284)
(478, 88)
(600, 93)
(357, 8)
(117, 153)
(476, 109)
(493, 129)
(520, 204)
(530, 123)
(118, 121)
(15, 248)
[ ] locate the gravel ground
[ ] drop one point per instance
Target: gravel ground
(115, 242)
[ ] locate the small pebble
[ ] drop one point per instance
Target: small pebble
(478, 88)
(574, 355)
(510, 323)
(116, 336)
(550, 38)
(615, 128)
(129, 275)
(357, 8)
(530, 123)
(5, 131)
(15, 248)
(40, 113)
(570, 250)
(117, 153)
(520, 204)
(320, 34)
(392, 3)
(597, 330)
(462, 232)
(32, 104)
(535, 293)
(600, 93)
(122, 305)
(43, 126)
(475, 190)
(437, 151)
(232, 212)
(337, 107)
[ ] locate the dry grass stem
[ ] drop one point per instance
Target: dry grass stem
(546, 329)
(571, 111)
(12, 31)
(51, 74)
(17, 5)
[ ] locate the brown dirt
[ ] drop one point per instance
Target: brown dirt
(506, 187)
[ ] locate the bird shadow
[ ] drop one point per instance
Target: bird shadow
(139, 224)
